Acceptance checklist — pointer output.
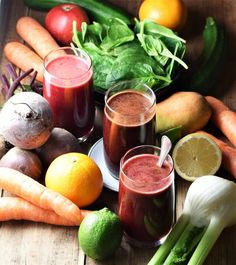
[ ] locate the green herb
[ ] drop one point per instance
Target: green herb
(150, 53)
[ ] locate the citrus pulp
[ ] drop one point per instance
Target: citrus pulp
(196, 155)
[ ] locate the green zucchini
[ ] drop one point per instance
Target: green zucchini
(98, 10)
(212, 58)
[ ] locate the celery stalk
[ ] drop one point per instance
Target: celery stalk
(185, 245)
(165, 248)
(209, 238)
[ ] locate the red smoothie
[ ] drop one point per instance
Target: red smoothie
(68, 89)
(146, 199)
(128, 121)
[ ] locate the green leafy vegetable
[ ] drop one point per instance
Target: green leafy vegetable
(150, 53)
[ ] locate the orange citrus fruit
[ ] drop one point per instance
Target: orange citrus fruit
(171, 14)
(76, 176)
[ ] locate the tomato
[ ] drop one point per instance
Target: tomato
(59, 21)
(171, 14)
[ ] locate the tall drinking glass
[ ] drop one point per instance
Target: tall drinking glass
(68, 88)
(129, 120)
(146, 196)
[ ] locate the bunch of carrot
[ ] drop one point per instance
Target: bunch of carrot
(38, 38)
(35, 202)
(225, 120)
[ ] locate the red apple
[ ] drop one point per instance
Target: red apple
(59, 21)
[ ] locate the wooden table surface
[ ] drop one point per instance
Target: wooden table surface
(23, 242)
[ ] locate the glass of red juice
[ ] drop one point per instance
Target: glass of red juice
(146, 196)
(129, 120)
(68, 79)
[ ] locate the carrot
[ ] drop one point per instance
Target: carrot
(33, 33)
(216, 104)
(24, 58)
(228, 154)
(223, 118)
(27, 188)
(15, 208)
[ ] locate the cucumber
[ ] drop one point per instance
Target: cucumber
(98, 10)
(212, 58)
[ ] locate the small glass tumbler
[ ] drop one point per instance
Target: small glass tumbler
(68, 79)
(146, 196)
(129, 120)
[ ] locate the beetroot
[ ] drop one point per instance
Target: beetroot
(60, 142)
(26, 120)
(24, 161)
(4, 146)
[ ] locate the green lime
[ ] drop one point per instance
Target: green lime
(100, 234)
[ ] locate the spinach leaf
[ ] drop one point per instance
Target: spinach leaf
(150, 53)
(149, 26)
(102, 65)
(150, 36)
(130, 66)
(117, 34)
(92, 33)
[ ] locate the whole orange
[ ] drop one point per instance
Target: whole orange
(76, 176)
(169, 13)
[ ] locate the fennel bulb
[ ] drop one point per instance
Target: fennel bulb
(209, 207)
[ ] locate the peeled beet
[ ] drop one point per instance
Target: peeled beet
(24, 161)
(26, 120)
(60, 142)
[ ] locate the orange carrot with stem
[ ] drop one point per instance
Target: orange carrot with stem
(33, 33)
(228, 154)
(24, 58)
(15, 208)
(25, 187)
(223, 118)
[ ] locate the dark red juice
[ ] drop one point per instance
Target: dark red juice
(130, 123)
(68, 89)
(146, 199)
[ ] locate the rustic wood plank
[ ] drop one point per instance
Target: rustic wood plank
(35, 243)
(15, 10)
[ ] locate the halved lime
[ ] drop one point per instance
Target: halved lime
(196, 155)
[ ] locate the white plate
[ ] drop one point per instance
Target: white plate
(96, 153)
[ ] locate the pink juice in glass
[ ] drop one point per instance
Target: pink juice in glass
(68, 89)
(146, 199)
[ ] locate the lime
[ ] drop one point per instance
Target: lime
(196, 155)
(100, 234)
